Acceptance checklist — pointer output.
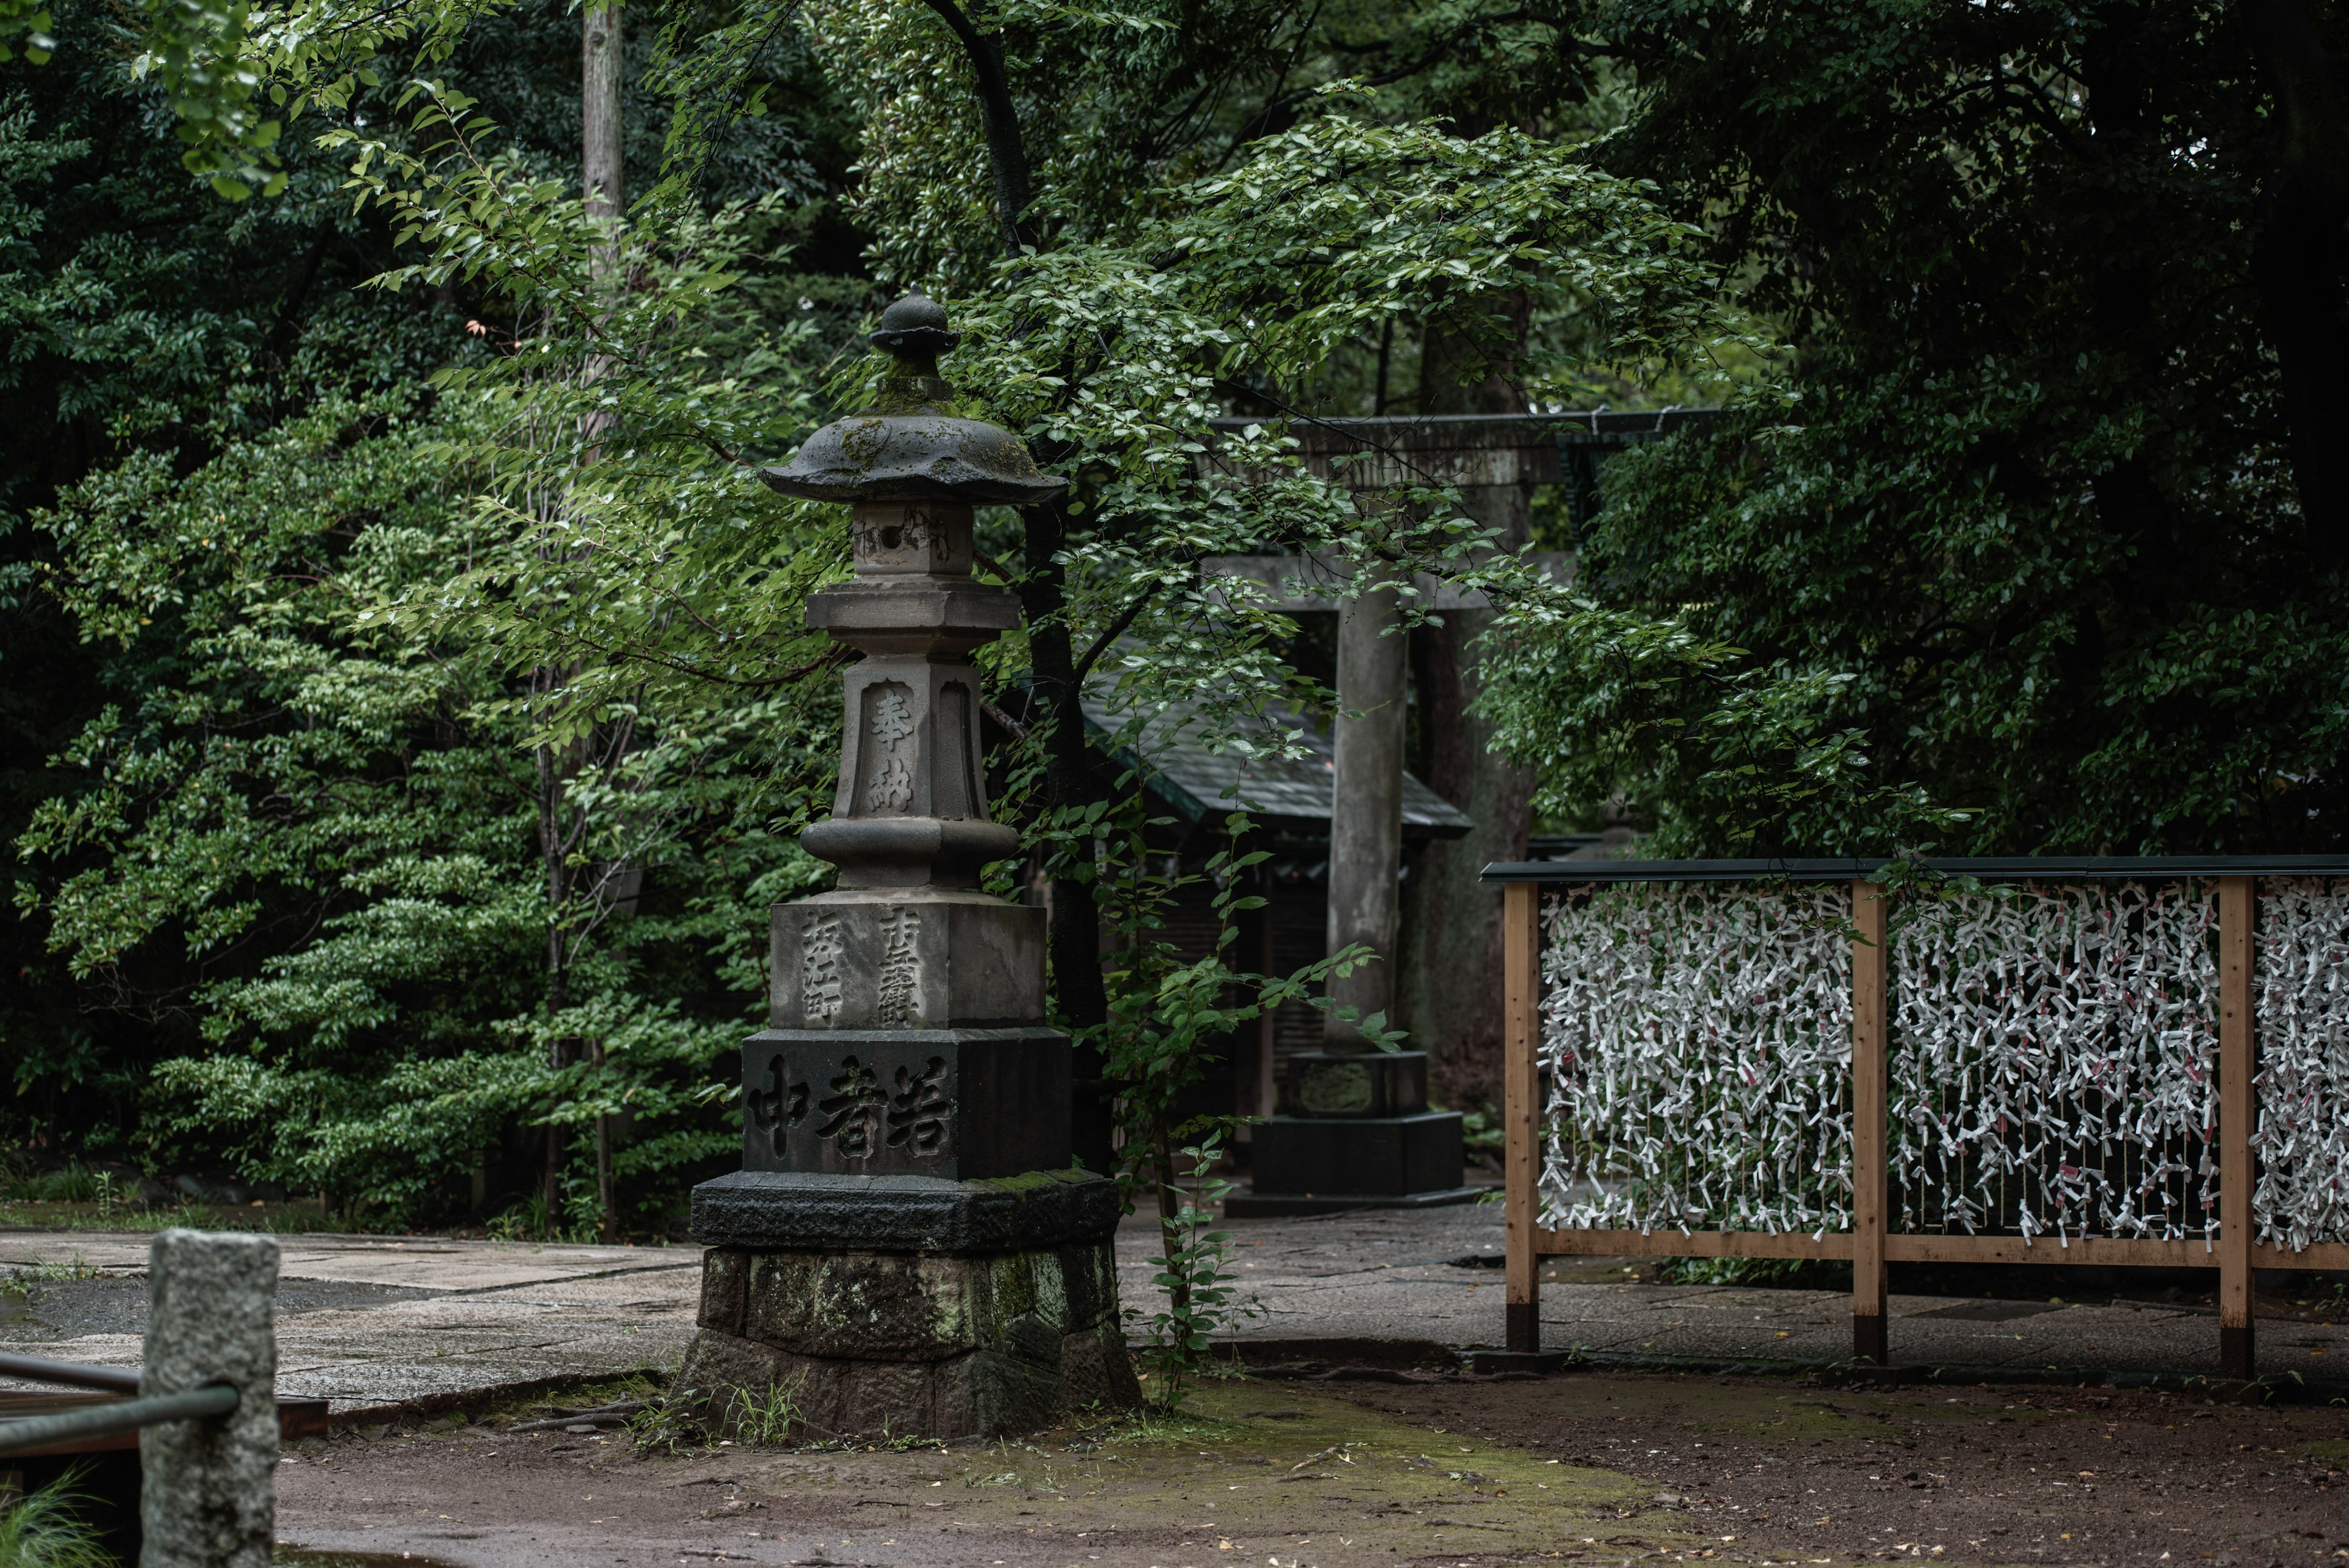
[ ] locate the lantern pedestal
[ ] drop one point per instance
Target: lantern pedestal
(1315, 1165)
(1357, 1134)
(908, 1306)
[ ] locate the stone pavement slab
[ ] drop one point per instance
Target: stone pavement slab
(379, 1323)
(375, 1323)
(1426, 1274)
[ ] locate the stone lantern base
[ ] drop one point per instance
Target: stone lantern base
(909, 1307)
(1357, 1134)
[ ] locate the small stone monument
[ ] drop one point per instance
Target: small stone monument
(907, 1248)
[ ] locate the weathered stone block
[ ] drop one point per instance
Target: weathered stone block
(933, 959)
(1382, 1156)
(864, 1305)
(986, 1393)
(719, 1362)
(1357, 1084)
(938, 1345)
(889, 1399)
(1096, 1370)
(1027, 1284)
(724, 1274)
(954, 1103)
(1089, 1285)
(210, 1497)
(787, 1211)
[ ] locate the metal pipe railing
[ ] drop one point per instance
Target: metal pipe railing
(114, 1417)
(76, 1373)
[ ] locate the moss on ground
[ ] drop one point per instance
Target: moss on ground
(1260, 1472)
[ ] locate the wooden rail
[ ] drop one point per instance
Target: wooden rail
(1870, 1244)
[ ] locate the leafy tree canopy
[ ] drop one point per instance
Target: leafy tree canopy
(2050, 529)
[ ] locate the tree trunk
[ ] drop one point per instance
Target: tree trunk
(2298, 262)
(606, 1199)
(1366, 810)
(603, 182)
(551, 790)
(1074, 936)
(1006, 149)
(605, 185)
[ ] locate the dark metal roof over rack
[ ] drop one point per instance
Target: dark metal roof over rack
(2016, 869)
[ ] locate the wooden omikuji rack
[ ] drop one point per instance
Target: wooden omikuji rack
(1870, 1244)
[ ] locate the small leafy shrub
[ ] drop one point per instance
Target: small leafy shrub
(1195, 1272)
(766, 1421)
(75, 1183)
(676, 1425)
(1482, 1137)
(49, 1273)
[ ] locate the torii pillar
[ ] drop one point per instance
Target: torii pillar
(1355, 1130)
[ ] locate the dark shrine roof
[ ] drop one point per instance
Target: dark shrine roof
(1204, 785)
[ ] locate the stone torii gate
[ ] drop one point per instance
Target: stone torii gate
(1439, 954)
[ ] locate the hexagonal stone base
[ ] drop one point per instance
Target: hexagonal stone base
(911, 1344)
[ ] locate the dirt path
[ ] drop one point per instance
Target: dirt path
(1607, 1470)
(1263, 1474)
(2013, 1474)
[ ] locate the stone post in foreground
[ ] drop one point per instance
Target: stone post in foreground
(907, 1248)
(207, 1493)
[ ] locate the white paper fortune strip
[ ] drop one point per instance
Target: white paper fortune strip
(2299, 1000)
(1697, 1042)
(2055, 1061)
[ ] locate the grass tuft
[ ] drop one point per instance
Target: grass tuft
(47, 1530)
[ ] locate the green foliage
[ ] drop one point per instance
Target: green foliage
(29, 21)
(2031, 534)
(613, 449)
(316, 765)
(688, 1420)
(45, 1529)
(1168, 1011)
(1194, 1270)
(1733, 756)
(198, 52)
(1774, 1273)
(1341, 224)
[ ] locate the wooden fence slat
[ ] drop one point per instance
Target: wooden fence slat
(1521, 977)
(2237, 1351)
(1690, 1244)
(1869, 1189)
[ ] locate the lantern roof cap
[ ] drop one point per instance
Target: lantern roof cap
(910, 445)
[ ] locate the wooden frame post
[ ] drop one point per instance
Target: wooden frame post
(1521, 1109)
(2237, 1351)
(1870, 1190)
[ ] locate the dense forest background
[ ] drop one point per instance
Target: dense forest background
(362, 837)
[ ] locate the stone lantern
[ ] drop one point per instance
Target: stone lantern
(907, 1245)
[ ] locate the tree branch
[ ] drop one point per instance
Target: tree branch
(1114, 630)
(1005, 149)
